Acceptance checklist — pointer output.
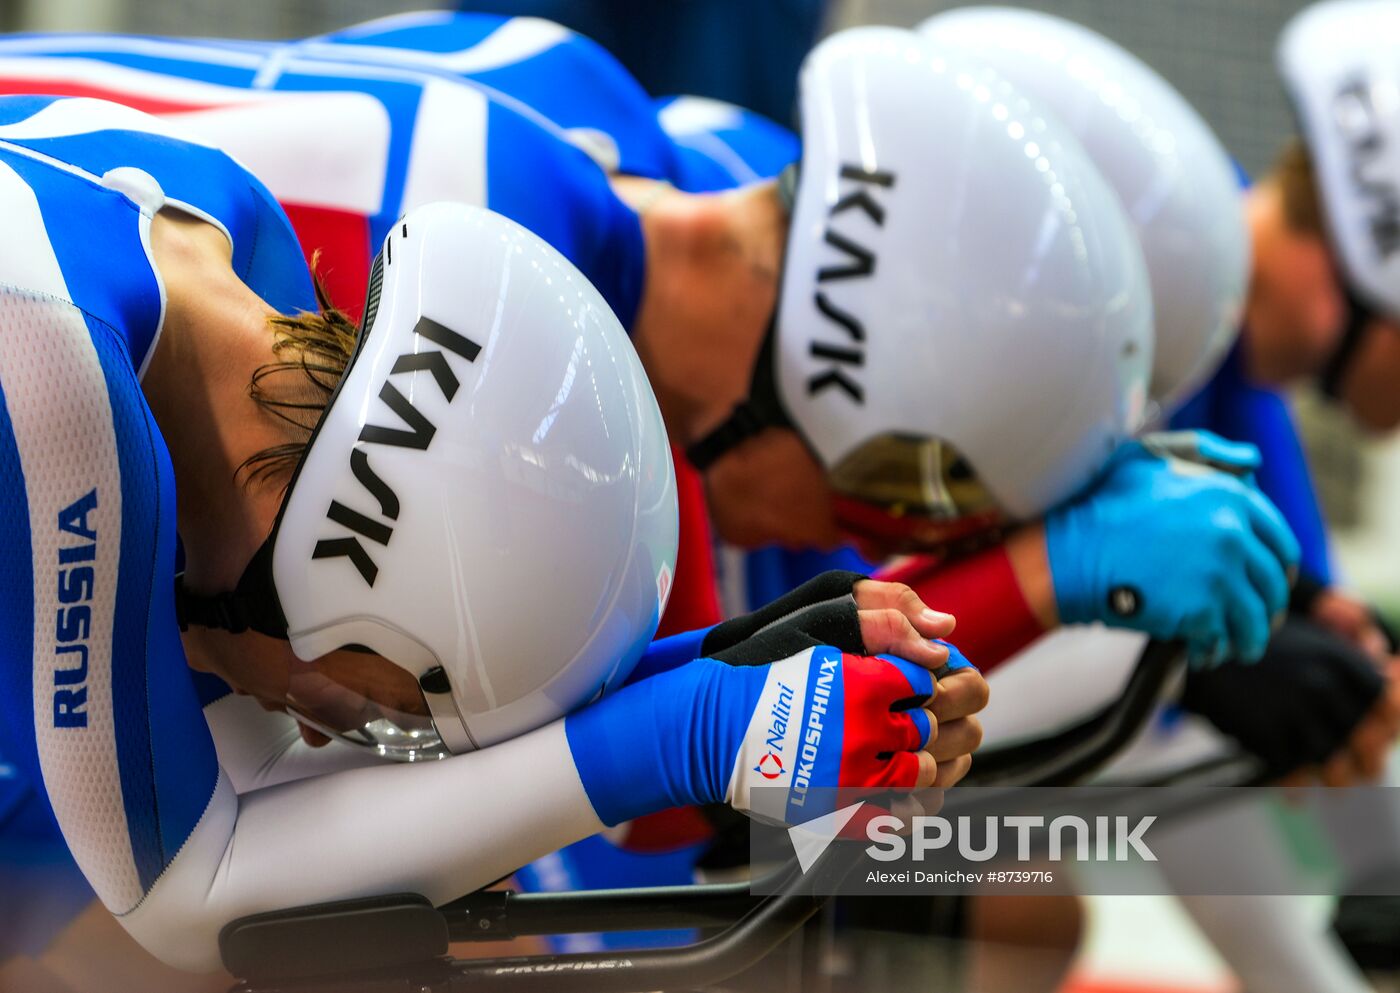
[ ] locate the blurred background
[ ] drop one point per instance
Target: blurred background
(1218, 53)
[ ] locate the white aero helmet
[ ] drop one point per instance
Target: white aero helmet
(1175, 179)
(964, 330)
(487, 502)
(1340, 63)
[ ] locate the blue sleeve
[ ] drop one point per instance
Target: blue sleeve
(1232, 407)
(619, 743)
(666, 654)
(1265, 420)
(771, 572)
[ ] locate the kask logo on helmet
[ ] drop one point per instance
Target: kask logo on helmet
(417, 434)
(1364, 140)
(845, 358)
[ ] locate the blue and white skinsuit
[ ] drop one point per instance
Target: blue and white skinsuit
(531, 126)
(175, 838)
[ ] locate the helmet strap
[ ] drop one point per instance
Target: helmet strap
(1359, 317)
(251, 606)
(761, 411)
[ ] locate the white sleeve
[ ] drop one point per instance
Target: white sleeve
(260, 748)
(441, 829)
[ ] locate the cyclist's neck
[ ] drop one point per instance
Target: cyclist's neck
(713, 263)
(214, 336)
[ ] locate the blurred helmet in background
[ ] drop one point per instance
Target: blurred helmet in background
(1340, 63)
(1173, 176)
(964, 331)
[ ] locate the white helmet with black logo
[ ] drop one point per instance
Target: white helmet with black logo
(964, 331)
(1175, 179)
(1340, 63)
(488, 502)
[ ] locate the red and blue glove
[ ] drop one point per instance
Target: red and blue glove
(709, 732)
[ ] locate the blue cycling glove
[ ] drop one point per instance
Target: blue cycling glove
(1205, 448)
(1176, 549)
(709, 732)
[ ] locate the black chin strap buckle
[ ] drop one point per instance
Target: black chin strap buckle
(743, 423)
(232, 614)
(224, 611)
(753, 416)
(252, 606)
